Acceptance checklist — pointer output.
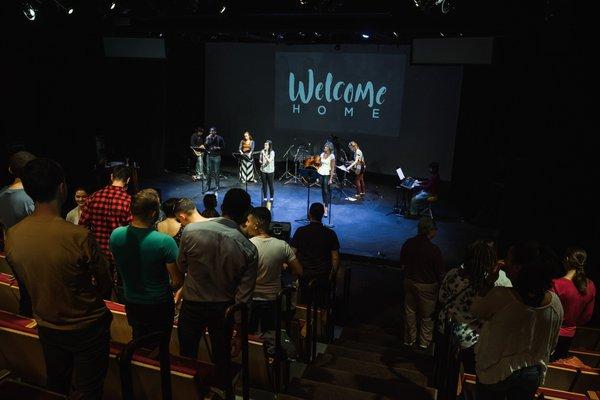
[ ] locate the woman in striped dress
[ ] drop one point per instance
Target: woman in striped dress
(247, 164)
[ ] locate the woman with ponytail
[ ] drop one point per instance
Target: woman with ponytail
(577, 294)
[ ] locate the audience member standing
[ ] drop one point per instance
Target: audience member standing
(423, 271)
(317, 248)
(74, 215)
(210, 206)
(459, 288)
(519, 332)
(577, 295)
(221, 266)
(108, 208)
(170, 225)
(146, 259)
(15, 204)
(65, 273)
(273, 255)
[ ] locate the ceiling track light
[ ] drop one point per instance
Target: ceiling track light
(29, 11)
(113, 5)
(67, 10)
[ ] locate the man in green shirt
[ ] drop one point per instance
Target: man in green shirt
(146, 259)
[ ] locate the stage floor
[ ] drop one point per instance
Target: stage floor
(364, 227)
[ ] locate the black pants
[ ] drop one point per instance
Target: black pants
(562, 348)
(322, 289)
(82, 354)
(214, 168)
(263, 313)
(194, 318)
(149, 318)
(324, 182)
(520, 385)
(267, 179)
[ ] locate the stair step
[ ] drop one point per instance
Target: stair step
(374, 348)
(408, 374)
(386, 387)
(375, 329)
(309, 389)
(398, 359)
(283, 396)
(376, 338)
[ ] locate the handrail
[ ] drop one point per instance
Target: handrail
(229, 315)
(286, 293)
(126, 356)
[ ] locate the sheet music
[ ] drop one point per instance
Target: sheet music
(400, 174)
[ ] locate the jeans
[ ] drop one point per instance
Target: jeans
(81, 353)
(267, 179)
(359, 181)
(149, 318)
(214, 168)
(520, 385)
(263, 313)
(200, 165)
(194, 318)
(322, 289)
(324, 182)
(419, 305)
(418, 202)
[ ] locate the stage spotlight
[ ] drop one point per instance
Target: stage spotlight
(113, 5)
(395, 34)
(70, 11)
(365, 36)
(67, 10)
(223, 9)
(417, 3)
(29, 11)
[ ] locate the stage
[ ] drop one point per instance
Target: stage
(366, 228)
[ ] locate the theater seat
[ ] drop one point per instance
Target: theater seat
(20, 348)
(568, 378)
(9, 294)
(4, 268)
(586, 338)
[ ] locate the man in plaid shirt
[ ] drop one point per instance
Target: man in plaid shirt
(107, 209)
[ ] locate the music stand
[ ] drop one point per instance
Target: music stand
(307, 175)
(287, 174)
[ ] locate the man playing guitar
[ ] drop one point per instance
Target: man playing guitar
(358, 166)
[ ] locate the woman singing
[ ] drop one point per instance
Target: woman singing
(267, 169)
(247, 163)
(358, 166)
(326, 170)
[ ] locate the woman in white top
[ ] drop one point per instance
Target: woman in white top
(267, 169)
(74, 214)
(519, 332)
(326, 170)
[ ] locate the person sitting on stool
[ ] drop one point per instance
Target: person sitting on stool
(429, 187)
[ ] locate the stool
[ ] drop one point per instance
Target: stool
(429, 209)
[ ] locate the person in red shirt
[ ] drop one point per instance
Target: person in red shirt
(107, 209)
(577, 294)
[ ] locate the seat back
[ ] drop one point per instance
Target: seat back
(9, 294)
(4, 268)
(20, 348)
(586, 338)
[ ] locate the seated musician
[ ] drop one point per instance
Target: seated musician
(358, 166)
(428, 187)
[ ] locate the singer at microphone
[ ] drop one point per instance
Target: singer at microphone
(267, 170)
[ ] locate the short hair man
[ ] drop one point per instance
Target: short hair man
(210, 206)
(61, 267)
(15, 204)
(186, 212)
(108, 208)
(214, 144)
(221, 266)
(317, 247)
(146, 259)
(423, 271)
(274, 255)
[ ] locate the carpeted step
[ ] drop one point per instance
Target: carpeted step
(377, 329)
(390, 359)
(376, 338)
(386, 387)
(309, 389)
(283, 396)
(407, 375)
(374, 348)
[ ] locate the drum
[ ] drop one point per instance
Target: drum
(312, 162)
